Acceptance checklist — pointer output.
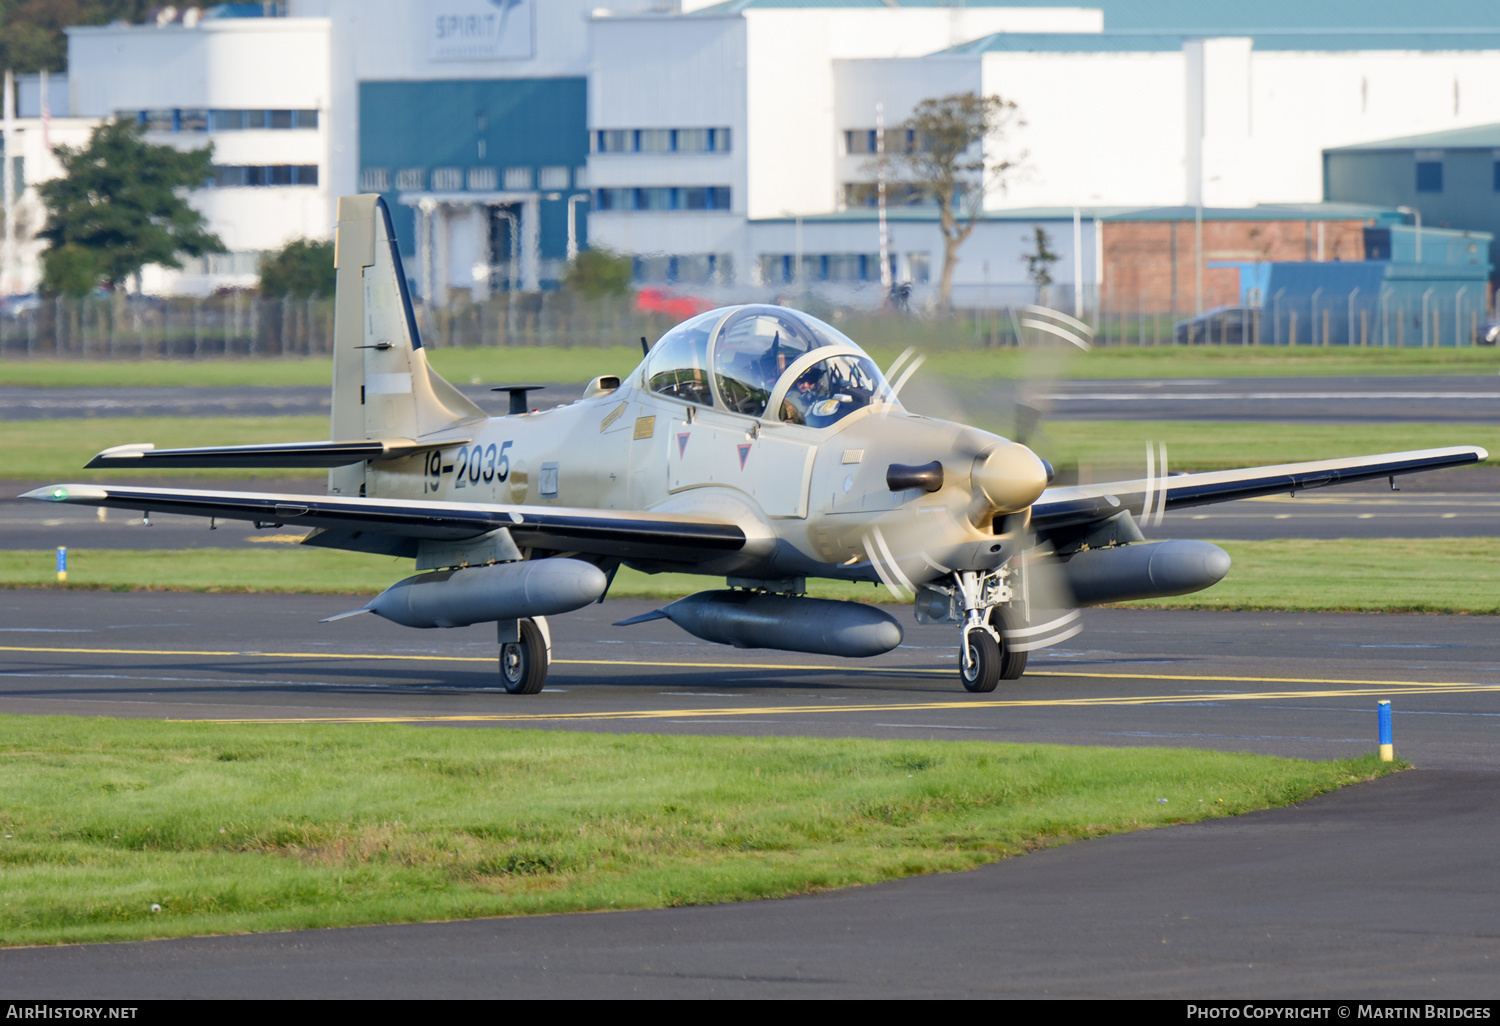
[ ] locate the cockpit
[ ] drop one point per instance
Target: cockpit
(768, 362)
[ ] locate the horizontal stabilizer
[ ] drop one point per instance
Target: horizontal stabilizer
(145, 456)
(655, 614)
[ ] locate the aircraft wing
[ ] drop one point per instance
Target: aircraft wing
(394, 526)
(1061, 508)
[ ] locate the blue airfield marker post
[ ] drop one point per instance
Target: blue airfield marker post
(1387, 749)
(62, 563)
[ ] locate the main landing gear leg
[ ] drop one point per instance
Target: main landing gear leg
(985, 658)
(525, 651)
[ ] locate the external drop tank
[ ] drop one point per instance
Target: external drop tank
(747, 619)
(501, 591)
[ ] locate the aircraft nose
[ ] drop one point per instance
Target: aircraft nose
(1010, 476)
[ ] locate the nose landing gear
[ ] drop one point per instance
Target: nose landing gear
(986, 656)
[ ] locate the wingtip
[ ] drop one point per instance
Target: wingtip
(67, 493)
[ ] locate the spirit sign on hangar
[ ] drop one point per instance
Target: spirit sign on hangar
(480, 30)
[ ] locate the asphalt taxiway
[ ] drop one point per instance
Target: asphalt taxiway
(1380, 890)
(1350, 512)
(1461, 399)
(1286, 684)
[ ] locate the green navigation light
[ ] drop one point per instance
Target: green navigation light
(59, 493)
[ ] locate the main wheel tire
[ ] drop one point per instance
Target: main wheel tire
(523, 664)
(1012, 663)
(983, 671)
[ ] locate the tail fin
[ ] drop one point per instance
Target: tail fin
(382, 386)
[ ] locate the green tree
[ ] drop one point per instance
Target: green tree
(120, 200)
(952, 160)
(1039, 262)
(70, 270)
(301, 268)
(597, 272)
(31, 31)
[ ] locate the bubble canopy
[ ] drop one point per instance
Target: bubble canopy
(741, 358)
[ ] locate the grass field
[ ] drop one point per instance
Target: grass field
(500, 365)
(132, 829)
(56, 450)
(1424, 575)
(1210, 445)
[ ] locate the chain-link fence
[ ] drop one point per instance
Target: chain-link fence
(244, 325)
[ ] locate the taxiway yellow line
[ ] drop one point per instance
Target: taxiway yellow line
(970, 705)
(357, 656)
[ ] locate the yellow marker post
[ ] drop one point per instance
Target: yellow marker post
(62, 564)
(1387, 749)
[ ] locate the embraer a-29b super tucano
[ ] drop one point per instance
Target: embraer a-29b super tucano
(753, 443)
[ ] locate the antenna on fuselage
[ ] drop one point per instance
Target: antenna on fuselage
(645, 346)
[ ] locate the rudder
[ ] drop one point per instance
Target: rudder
(382, 385)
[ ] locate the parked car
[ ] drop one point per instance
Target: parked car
(15, 305)
(1223, 325)
(1487, 334)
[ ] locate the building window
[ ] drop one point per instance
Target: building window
(228, 176)
(897, 194)
(1429, 176)
(712, 197)
(517, 178)
(847, 268)
(661, 140)
(553, 178)
(861, 142)
(614, 140)
(654, 140)
(375, 179)
(685, 269)
(182, 119)
(447, 179)
(411, 179)
(482, 179)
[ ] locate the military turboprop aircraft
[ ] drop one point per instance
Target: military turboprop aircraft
(753, 443)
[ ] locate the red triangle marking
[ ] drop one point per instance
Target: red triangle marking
(744, 453)
(682, 440)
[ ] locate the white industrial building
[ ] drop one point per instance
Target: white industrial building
(721, 142)
(1111, 120)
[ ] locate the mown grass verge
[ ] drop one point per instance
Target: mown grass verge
(56, 450)
(1366, 575)
(1118, 448)
(243, 828)
(962, 363)
(1422, 575)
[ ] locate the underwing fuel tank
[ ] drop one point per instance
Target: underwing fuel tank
(501, 591)
(1144, 570)
(748, 619)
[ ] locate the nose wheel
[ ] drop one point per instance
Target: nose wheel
(986, 661)
(523, 663)
(979, 664)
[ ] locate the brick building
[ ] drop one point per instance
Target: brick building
(1150, 255)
